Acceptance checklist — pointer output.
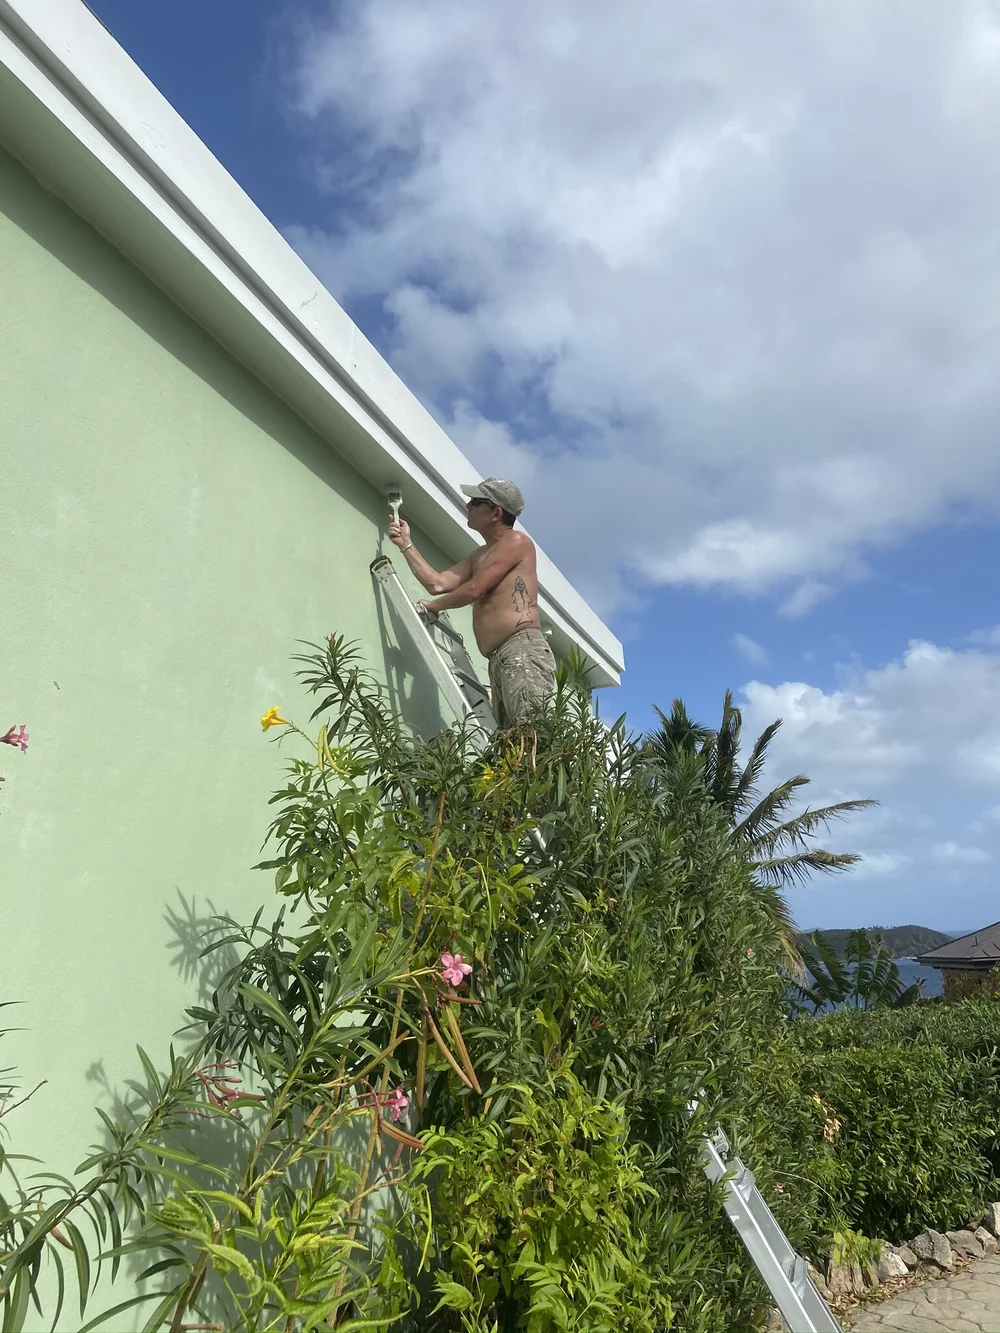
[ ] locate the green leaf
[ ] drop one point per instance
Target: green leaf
(453, 1296)
(262, 1000)
(119, 1309)
(230, 1200)
(82, 1262)
(227, 1255)
(168, 1303)
(16, 1302)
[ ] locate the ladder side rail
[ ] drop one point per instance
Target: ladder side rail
(784, 1271)
(432, 655)
(454, 649)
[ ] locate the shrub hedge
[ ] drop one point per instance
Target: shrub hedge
(885, 1120)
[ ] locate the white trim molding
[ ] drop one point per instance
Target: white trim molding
(91, 126)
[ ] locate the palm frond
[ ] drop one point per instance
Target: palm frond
(754, 766)
(797, 831)
(796, 868)
(760, 822)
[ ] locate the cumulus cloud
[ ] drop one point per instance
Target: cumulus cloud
(922, 736)
(718, 280)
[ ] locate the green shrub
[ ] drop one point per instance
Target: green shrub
(532, 1121)
(884, 1120)
(535, 1216)
(628, 969)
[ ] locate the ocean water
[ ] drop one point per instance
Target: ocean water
(910, 970)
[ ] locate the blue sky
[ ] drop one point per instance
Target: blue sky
(721, 288)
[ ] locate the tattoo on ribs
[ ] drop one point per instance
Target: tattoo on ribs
(522, 605)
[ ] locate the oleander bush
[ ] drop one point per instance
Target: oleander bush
(451, 1087)
(460, 1081)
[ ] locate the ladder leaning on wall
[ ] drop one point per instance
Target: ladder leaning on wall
(443, 651)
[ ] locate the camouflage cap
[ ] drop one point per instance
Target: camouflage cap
(497, 492)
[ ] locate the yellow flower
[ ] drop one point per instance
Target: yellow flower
(273, 718)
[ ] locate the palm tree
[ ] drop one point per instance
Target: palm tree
(865, 977)
(777, 844)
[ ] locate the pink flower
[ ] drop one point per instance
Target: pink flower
(453, 969)
(779, 1189)
(396, 1103)
(15, 737)
(750, 953)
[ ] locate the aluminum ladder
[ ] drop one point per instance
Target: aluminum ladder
(443, 651)
(787, 1277)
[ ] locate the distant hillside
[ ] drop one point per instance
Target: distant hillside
(901, 941)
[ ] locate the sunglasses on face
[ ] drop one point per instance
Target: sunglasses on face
(473, 503)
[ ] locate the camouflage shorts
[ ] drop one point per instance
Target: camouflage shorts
(522, 676)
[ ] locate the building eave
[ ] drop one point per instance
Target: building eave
(88, 123)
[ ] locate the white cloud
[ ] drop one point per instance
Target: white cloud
(805, 597)
(723, 278)
(952, 853)
(750, 649)
(921, 735)
(878, 864)
(988, 638)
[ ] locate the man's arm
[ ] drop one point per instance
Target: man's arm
(426, 575)
(496, 565)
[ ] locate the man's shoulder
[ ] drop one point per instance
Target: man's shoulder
(520, 541)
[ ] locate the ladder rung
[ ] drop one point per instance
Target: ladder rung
(472, 683)
(445, 629)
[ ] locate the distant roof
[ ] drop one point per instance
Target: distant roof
(981, 947)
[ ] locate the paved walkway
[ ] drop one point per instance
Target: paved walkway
(967, 1302)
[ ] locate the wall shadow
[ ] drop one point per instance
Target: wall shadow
(220, 1143)
(413, 692)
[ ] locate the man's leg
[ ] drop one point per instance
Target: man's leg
(526, 670)
(496, 690)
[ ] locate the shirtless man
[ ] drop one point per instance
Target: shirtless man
(499, 582)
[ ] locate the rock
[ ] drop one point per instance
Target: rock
(892, 1265)
(992, 1219)
(965, 1244)
(819, 1279)
(988, 1242)
(775, 1323)
(844, 1279)
(907, 1256)
(933, 1248)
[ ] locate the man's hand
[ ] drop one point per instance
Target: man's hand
(399, 532)
(426, 609)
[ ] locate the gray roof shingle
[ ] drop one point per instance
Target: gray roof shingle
(982, 946)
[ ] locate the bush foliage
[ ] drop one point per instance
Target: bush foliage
(354, 1139)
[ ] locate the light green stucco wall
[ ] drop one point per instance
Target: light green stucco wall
(169, 530)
